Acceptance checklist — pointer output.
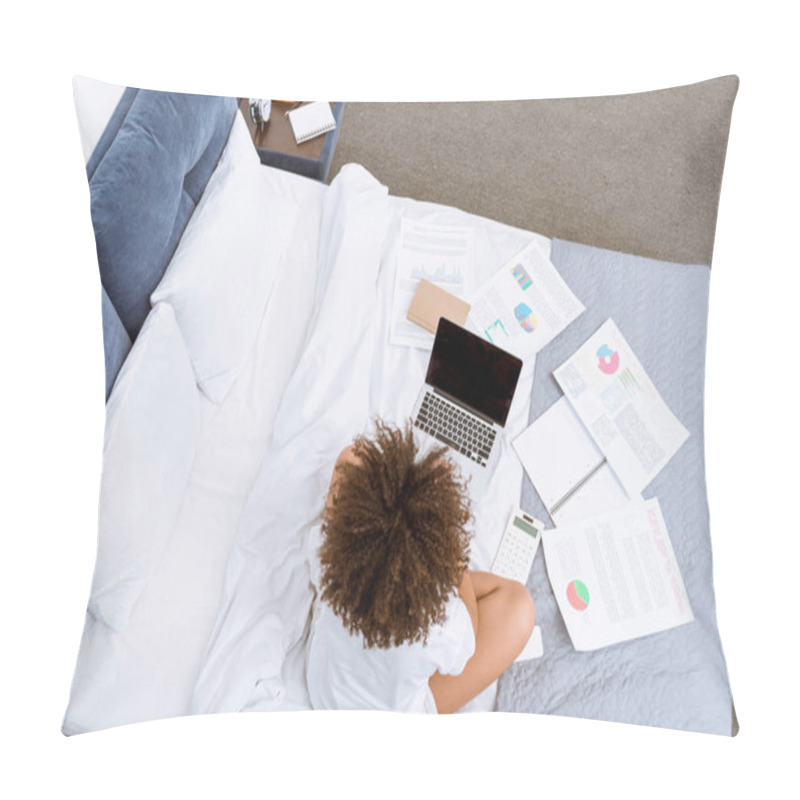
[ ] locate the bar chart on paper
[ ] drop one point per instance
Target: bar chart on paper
(439, 254)
(496, 332)
(438, 271)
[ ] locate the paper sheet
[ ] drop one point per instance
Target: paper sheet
(441, 254)
(615, 576)
(621, 408)
(524, 305)
(568, 470)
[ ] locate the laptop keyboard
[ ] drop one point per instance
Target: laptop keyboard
(455, 428)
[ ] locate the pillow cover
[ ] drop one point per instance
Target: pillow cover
(152, 426)
(221, 275)
(639, 173)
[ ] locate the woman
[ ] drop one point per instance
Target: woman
(401, 623)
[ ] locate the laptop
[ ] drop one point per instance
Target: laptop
(466, 398)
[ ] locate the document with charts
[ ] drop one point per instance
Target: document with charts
(524, 305)
(442, 255)
(615, 576)
(621, 408)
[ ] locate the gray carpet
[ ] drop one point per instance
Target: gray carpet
(639, 173)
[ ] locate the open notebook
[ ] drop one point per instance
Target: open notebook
(567, 469)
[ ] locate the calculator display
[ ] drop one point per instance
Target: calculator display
(524, 526)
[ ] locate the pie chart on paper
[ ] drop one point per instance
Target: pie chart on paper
(578, 595)
(525, 317)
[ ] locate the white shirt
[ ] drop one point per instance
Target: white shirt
(343, 674)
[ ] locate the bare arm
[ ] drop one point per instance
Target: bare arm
(467, 593)
(507, 617)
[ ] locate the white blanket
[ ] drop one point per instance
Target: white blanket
(347, 375)
(221, 624)
(148, 670)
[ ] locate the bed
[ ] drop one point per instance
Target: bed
(246, 318)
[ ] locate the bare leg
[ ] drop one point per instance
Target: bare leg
(505, 620)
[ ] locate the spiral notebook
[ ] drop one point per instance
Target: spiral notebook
(310, 120)
(568, 470)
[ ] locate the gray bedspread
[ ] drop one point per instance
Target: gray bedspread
(677, 678)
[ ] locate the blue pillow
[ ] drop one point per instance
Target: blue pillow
(145, 187)
(116, 342)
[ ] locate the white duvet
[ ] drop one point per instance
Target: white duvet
(347, 376)
(321, 371)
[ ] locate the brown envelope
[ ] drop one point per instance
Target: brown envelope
(430, 303)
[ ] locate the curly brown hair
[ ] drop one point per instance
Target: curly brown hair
(395, 541)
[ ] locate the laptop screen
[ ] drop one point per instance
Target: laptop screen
(473, 371)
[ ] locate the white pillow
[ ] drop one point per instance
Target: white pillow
(151, 435)
(224, 268)
(95, 102)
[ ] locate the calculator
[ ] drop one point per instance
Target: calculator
(518, 547)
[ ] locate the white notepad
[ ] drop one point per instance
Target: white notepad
(567, 469)
(310, 120)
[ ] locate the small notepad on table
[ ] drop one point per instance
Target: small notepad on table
(310, 120)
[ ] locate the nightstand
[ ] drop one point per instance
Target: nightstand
(277, 147)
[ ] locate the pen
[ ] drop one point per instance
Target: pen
(293, 107)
